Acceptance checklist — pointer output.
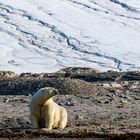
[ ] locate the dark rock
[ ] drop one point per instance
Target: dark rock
(69, 102)
(136, 98)
(106, 102)
(133, 75)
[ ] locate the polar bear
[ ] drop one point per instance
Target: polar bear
(44, 112)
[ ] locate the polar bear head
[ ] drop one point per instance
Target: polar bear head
(47, 92)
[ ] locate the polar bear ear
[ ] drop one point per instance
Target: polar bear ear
(44, 89)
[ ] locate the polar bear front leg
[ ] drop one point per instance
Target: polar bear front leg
(48, 112)
(63, 118)
(34, 121)
(49, 120)
(48, 123)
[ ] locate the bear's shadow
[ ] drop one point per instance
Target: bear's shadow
(42, 123)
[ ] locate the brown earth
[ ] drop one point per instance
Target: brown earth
(99, 104)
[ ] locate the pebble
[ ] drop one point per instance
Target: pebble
(6, 100)
(124, 101)
(136, 98)
(78, 117)
(106, 102)
(128, 98)
(106, 85)
(69, 103)
(115, 85)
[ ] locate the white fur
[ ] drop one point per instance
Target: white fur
(44, 112)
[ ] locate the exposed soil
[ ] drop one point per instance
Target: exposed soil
(99, 104)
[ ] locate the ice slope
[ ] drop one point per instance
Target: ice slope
(47, 35)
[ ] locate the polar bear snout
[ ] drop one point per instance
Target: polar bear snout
(53, 92)
(50, 90)
(56, 92)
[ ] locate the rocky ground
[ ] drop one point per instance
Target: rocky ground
(99, 104)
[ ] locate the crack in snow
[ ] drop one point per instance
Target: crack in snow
(111, 12)
(127, 7)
